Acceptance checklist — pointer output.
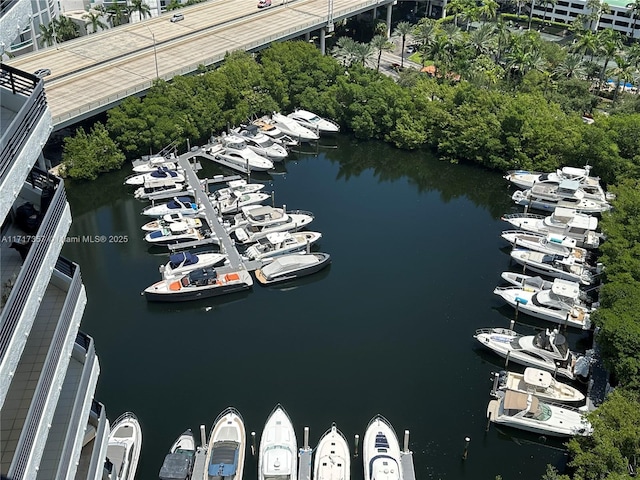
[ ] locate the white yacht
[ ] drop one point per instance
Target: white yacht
(563, 221)
(262, 144)
(123, 449)
(181, 263)
(255, 223)
(292, 266)
(278, 453)
(239, 186)
(160, 188)
(178, 463)
(547, 349)
(176, 232)
(568, 194)
(313, 122)
(546, 243)
(528, 282)
(556, 266)
(268, 127)
(226, 447)
(151, 163)
(381, 451)
(559, 304)
(160, 173)
(236, 155)
(170, 218)
(332, 460)
(539, 383)
(526, 412)
(183, 205)
(293, 128)
(232, 203)
(281, 243)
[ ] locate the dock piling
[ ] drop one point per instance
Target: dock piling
(506, 360)
(357, 440)
(466, 448)
(488, 422)
(496, 376)
(203, 435)
(253, 443)
(306, 438)
(405, 447)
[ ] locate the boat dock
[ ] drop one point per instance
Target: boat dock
(200, 463)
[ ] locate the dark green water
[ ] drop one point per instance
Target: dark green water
(386, 329)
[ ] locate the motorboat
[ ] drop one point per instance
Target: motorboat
(182, 263)
(550, 243)
(539, 383)
(151, 163)
(536, 283)
(556, 266)
(255, 223)
(281, 243)
(170, 218)
(293, 128)
(332, 460)
(278, 453)
(235, 201)
(160, 173)
(559, 304)
(239, 186)
(177, 232)
(563, 221)
(568, 194)
(154, 189)
(548, 349)
(381, 451)
(178, 463)
(526, 412)
(268, 127)
(314, 122)
(236, 155)
(183, 205)
(262, 144)
(124, 445)
(227, 446)
(292, 266)
(200, 283)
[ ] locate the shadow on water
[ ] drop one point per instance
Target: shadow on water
(210, 304)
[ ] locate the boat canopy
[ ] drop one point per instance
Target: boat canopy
(565, 288)
(177, 466)
(182, 258)
(289, 262)
(224, 459)
(538, 378)
(518, 401)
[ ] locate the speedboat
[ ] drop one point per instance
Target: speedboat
(268, 127)
(237, 155)
(278, 454)
(124, 445)
(563, 221)
(200, 283)
(533, 283)
(154, 189)
(182, 263)
(313, 122)
(289, 267)
(184, 205)
(556, 266)
(568, 194)
(168, 219)
(332, 460)
(160, 173)
(539, 383)
(232, 203)
(293, 128)
(546, 243)
(237, 187)
(178, 463)
(547, 349)
(526, 412)
(280, 243)
(150, 164)
(177, 232)
(559, 304)
(226, 447)
(381, 451)
(262, 144)
(256, 223)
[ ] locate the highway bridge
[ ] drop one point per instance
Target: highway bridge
(96, 72)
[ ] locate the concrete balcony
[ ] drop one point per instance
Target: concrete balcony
(37, 384)
(25, 289)
(15, 16)
(26, 125)
(94, 452)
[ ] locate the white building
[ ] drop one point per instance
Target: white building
(51, 427)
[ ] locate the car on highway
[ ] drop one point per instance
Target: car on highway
(177, 17)
(42, 72)
(264, 3)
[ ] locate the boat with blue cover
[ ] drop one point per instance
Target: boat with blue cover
(182, 263)
(227, 446)
(183, 204)
(381, 451)
(162, 172)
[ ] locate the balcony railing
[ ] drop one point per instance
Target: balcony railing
(16, 135)
(34, 419)
(35, 258)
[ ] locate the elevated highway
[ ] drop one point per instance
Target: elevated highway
(96, 72)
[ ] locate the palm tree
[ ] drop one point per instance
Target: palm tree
(363, 52)
(610, 44)
(504, 37)
(533, 4)
(65, 28)
(47, 35)
(489, 9)
(345, 50)
(440, 52)
(380, 44)
(586, 43)
(460, 7)
(95, 19)
(483, 39)
(571, 67)
(402, 30)
(546, 4)
(597, 8)
(633, 54)
(624, 73)
(117, 13)
(141, 8)
(634, 11)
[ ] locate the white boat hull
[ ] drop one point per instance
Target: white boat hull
(278, 453)
(332, 460)
(124, 446)
(227, 441)
(381, 451)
